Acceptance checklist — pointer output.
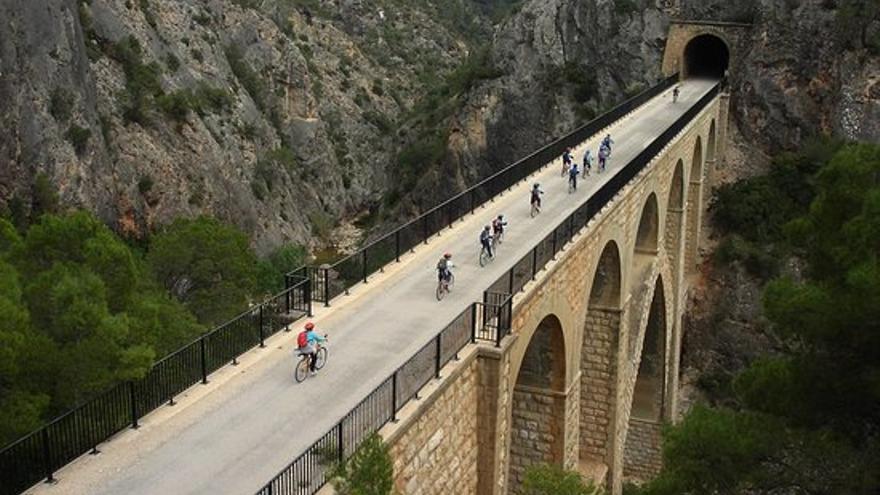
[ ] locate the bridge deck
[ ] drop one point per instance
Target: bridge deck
(233, 435)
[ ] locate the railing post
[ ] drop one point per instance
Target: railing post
(326, 287)
(307, 294)
(534, 262)
(474, 307)
(47, 457)
(425, 228)
(365, 265)
(437, 357)
(134, 411)
(473, 202)
(397, 245)
(204, 361)
(394, 397)
(260, 323)
(555, 241)
(510, 281)
(339, 443)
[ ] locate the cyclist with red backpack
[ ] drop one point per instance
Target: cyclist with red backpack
(307, 342)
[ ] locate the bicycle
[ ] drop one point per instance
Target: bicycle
(303, 368)
(535, 209)
(444, 286)
(499, 237)
(485, 258)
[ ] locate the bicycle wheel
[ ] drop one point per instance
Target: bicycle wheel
(441, 291)
(302, 369)
(534, 210)
(322, 358)
(484, 257)
(450, 283)
(499, 237)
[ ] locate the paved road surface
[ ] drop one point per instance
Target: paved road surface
(236, 437)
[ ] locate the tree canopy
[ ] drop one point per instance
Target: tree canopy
(806, 420)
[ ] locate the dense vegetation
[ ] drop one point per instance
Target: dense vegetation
(82, 310)
(804, 421)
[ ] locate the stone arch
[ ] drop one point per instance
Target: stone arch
(599, 358)
(710, 144)
(674, 214)
(538, 407)
(706, 55)
(642, 443)
(694, 211)
(649, 227)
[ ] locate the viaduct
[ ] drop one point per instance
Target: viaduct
(583, 376)
(590, 371)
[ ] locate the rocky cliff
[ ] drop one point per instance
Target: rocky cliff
(284, 116)
(273, 115)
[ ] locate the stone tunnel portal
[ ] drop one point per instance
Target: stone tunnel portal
(706, 56)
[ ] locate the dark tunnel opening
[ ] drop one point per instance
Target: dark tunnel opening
(706, 56)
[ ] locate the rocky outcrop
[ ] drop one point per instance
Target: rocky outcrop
(276, 119)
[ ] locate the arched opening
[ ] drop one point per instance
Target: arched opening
(649, 227)
(649, 390)
(599, 362)
(538, 425)
(706, 56)
(710, 143)
(642, 446)
(694, 212)
(674, 213)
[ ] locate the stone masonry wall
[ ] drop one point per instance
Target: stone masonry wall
(437, 453)
(598, 371)
(538, 429)
(642, 456)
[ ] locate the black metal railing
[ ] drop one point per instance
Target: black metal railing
(331, 281)
(308, 472)
(489, 321)
(39, 454)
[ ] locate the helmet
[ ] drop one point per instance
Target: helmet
(310, 326)
(447, 255)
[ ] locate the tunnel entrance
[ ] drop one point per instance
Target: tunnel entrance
(706, 56)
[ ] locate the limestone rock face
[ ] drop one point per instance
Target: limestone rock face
(327, 86)
(335, 89)
(798, 78)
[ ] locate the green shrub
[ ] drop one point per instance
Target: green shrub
(145, 183)
(142, 82)
(61, 104)
(544, 479)
(78, 137)
(248, 78)
(368, 472)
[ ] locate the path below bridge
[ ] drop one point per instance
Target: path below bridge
(252, 420)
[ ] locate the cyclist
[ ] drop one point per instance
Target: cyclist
(675, 92)
(603, 158)
(572, 178)
(308, 341)
(607, 142)
(567, 158)
(486, 240)
(536, 195)
(588, 162)
(443, 267)
(498, 226)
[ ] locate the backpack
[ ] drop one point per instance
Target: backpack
(302, 339)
